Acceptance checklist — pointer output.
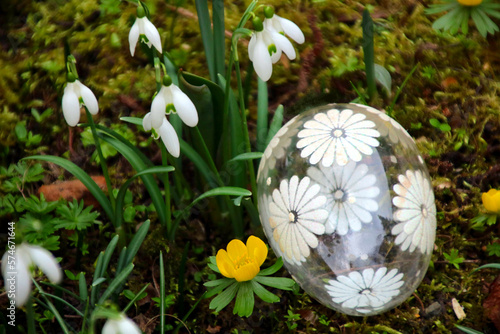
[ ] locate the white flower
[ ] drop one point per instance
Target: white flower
(337, 136)
(263, 52)
(366, 291)
(16, 269)
(416, 212)
(166, 132)
(73, 92)
(277, 26)
(350, 194)
(267, 43)
(171, 98)
(121, 325)
(142, 26)
(296, 217)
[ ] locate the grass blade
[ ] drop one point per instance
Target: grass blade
(219, 36)
(206, 35)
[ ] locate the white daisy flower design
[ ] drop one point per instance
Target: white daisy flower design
(393, 124)
(350, 194)
(276, 148)
(365, 291)
(296, 217)
(416, 212)
(337, 136)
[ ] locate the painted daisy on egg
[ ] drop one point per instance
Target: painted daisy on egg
(297, 216)
(337, 136)
(276, 148)
(145, 30)
(365, 291)
(350, 191)
(416, 213)
(460, 11)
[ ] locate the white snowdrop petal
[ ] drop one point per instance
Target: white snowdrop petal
(146, 122)
(22, 276)
(88, 98)
(169, 138)
(126, 325)
(291, 29)
(158, 107)
(262, 60)
(184, 106)
(152, 34)
(71, 107)
(284, 44)
(46, 262)
(133, 37)
(251, 46)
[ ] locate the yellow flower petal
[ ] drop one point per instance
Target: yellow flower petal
(491, 200)
(257, 250)
(236, 250)
(224, 263)
(470, 2)
(246, 272)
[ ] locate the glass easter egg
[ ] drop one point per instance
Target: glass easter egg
(346, 200)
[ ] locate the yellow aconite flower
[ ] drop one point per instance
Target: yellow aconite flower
(242, 262)
(491, 201)
(470, 2)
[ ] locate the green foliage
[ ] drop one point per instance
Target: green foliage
(443, 127)
(453, 258)
(76, 217)
(228, 288)
(494, 249)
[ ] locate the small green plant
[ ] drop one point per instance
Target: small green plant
(240, 264)
(494, 248)
(443, 127)
(429, 72)
(453, 258)
(291, 320)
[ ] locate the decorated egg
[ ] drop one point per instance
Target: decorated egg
(346, 200)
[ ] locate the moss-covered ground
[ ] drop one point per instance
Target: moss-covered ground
(455, 82)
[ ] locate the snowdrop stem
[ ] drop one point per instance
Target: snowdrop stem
(157, 64)
(166, 183)
(71, 66)
(104, 167)
(251, 169)
(52, 309)
(30, 316)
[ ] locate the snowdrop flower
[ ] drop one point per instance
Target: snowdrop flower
(277, 27)
(120, 325)
(267, 43)
(143, 27)
(16, 267)
(76, 93)
(167, 133)
(171, 98)
(262, 51)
